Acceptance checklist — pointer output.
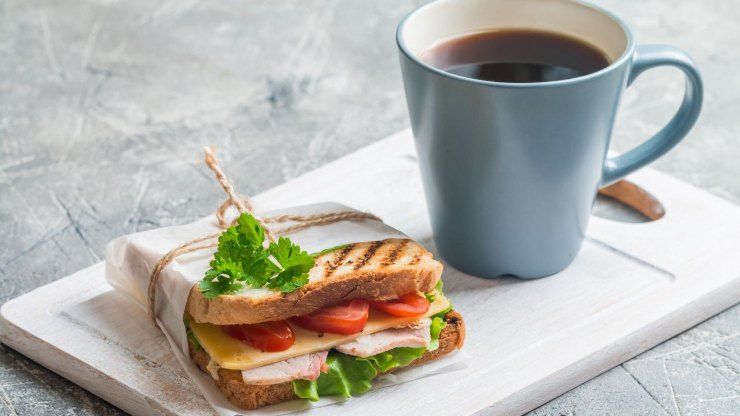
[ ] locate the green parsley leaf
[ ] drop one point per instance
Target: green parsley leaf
(242, 260)
(249, 230)
(294, 262)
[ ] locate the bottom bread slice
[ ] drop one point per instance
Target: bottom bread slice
(251, 396)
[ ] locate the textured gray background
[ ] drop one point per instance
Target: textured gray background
(104, 107)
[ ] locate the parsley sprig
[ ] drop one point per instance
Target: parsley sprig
(242, 259)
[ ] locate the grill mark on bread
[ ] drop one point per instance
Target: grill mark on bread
(374, 280)
(394, 253)
(338, 257)
(368, 254)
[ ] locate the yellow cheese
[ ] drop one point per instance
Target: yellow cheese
(233, 354)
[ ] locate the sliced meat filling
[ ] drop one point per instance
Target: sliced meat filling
(305, 367)
(310, 366)
(414, 335)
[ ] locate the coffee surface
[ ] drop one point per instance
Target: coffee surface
(517, 56)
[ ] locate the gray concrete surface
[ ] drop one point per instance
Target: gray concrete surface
(104, 106)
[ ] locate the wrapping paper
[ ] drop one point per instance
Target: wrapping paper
(131, 259)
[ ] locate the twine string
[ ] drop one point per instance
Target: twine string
(243, 205)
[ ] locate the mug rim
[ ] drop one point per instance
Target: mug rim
(628, 52)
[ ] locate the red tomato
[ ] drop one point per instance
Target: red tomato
(408, 305)
(266, 337)
(346, 318)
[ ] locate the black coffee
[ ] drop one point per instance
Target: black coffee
(516, 56)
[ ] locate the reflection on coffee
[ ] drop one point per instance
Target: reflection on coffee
(517, 56)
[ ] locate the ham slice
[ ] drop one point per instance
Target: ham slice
(305, 367)
(414, 335)
(310, 366)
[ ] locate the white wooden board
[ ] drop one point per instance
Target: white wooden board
(631, 287)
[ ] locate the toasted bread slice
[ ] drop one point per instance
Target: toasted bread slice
(251, 396)
(379, 270)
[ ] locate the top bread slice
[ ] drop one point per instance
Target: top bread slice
(378, 270)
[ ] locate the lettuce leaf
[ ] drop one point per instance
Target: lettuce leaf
(438, 324)
(349, 375)
(433, 293)
(306, 389)
(328, 250)
(397, 357)
(191, 337)
(346, 376)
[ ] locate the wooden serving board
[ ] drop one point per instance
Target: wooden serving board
(632, 286)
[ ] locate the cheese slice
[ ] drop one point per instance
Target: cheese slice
(233, 354)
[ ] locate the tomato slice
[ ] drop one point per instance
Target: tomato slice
(346, 318)
(267, 336)
(408, 305)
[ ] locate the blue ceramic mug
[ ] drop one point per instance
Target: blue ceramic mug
(510, 171)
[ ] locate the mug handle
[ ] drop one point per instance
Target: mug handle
(646, 57)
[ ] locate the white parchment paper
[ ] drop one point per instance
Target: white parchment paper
(131, 259)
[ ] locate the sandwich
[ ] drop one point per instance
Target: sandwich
(361, 310)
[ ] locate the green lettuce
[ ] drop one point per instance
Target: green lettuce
(349, 375)
(433, 294)
(328, 250)
(438, 324)
(191, 337)
(397, 357)
(306, 389)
